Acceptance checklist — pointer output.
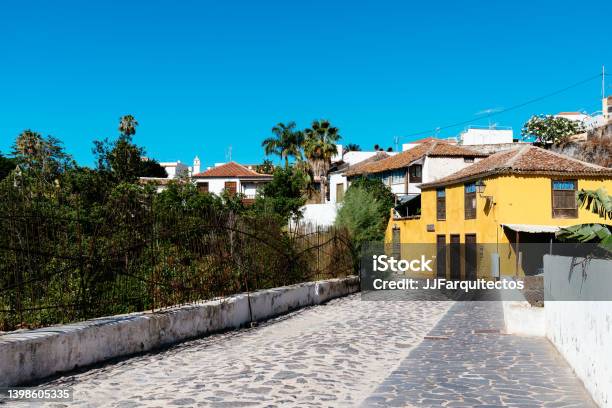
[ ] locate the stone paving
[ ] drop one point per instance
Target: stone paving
(330, 355)
(465, 361)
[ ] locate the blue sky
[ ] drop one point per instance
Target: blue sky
(201, 75)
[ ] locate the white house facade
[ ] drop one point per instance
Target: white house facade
(231, 177)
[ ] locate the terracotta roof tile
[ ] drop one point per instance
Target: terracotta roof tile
(231, 169)
(431, 139)
(525, 160)
(404, 159)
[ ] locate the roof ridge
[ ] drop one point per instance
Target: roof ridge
(519, 153)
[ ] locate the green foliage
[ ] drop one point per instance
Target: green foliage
(365, 210)
(380, 191)
(267, 167)
(360, 214)
(352, 147)
(599, 202)
(286, 142)
(550, 129)
(41, 157)
(152, 168)
(284, 194)
(7, 164)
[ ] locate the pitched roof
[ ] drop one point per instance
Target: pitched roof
(231, 169)
(431, 139)
(377, 157)
(525, 160)
(404, 159)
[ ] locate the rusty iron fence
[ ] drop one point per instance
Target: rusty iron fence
(58, 268)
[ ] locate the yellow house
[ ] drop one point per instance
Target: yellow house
(477, 220)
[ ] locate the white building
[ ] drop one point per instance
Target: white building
(338, 183)
(478, 135)
(176, 169)
(231, 177)
(405, 172)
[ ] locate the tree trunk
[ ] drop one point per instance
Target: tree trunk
(323, 182)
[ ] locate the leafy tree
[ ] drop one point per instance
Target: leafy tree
(550, 129)
(319, 147)
(283, 195)
(7, 164)
(267, 167)
(352, 147)
(152, 168)
(286, 142)
(360, 215)
(41, 156)
(127, 126)
(365, 210)
(122, 159)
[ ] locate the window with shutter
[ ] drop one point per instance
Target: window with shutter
(441, 204)
(231, 187)
(564, 203)
(470, 201)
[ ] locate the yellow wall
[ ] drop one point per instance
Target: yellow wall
(518, 200)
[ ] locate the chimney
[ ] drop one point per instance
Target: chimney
(196, 165)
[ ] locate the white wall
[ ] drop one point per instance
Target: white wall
(334, 179)
(475, 136)
(322, 215)
(581, 329)
(435, 168)
(175, 169)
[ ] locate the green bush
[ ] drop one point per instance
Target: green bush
(365, 212)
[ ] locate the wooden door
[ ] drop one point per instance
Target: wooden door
(470, 256)
(441, 256)
(339, 192)
(396, 242)
(455, 257)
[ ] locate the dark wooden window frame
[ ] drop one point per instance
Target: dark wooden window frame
(203, 187)
(412, 171)
(564, 210)
(470, 203)
(231, 187)
(441, 205)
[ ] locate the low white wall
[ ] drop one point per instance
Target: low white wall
(520, 317)
(581, 329)
(30, 355)
(322, 215)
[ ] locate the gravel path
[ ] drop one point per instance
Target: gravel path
(330, 355)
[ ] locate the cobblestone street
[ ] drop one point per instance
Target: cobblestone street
(330, 355)
(346, 353)
(466, 361)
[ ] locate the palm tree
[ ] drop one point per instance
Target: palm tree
(319, 147)
(352, 147)
(127, 126)
(286, 142)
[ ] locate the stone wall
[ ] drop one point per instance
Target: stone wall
(26, 356)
